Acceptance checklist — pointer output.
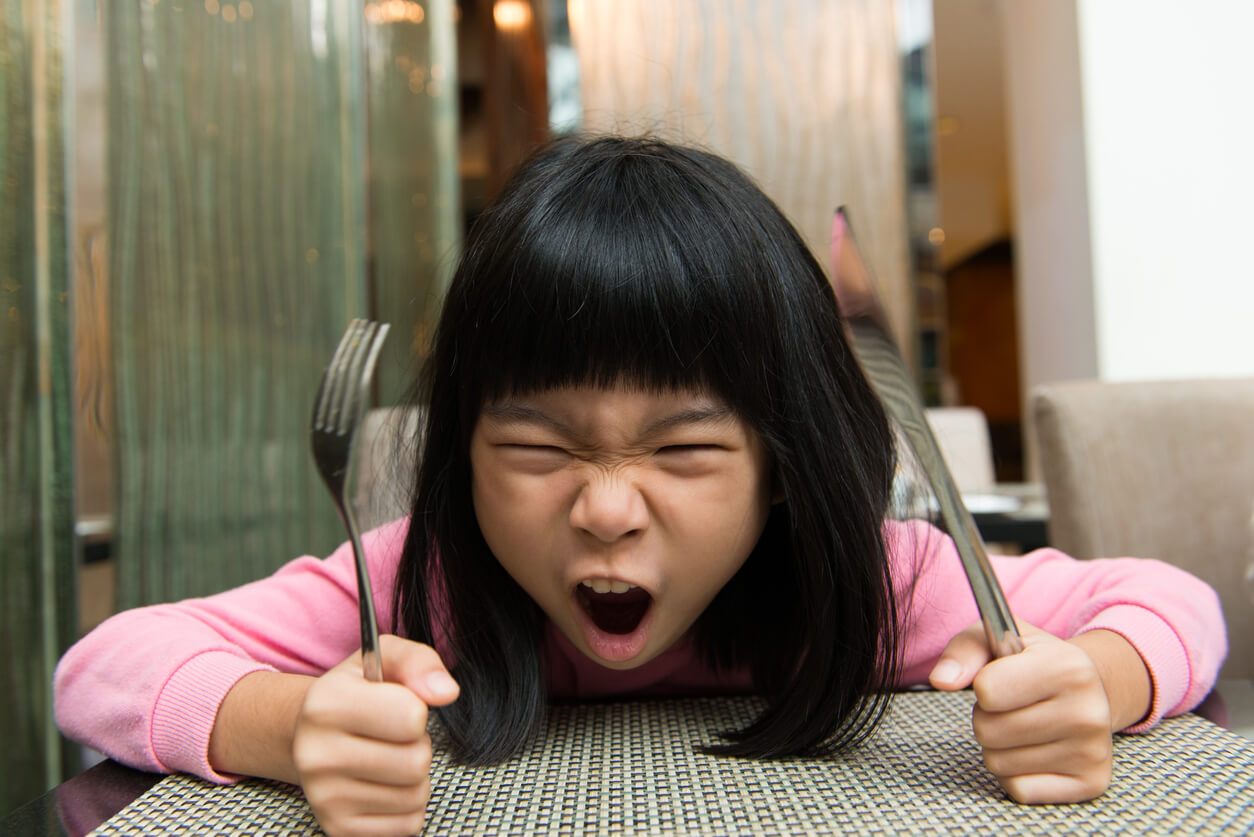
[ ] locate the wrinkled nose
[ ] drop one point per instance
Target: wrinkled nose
(609, 507)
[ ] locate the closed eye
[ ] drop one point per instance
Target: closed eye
(533, 459)
(690, 460)
(688, 451)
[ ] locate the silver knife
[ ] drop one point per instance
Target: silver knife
(881, 361)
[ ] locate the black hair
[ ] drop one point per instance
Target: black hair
(630, 260)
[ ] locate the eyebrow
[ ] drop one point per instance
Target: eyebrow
(516, 413)
(684, 418)
(696, 415)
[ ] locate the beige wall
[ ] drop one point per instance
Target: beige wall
(1167, 131)
(1053, 255)
(1129, 146)
(805, 95)
(1053, 251)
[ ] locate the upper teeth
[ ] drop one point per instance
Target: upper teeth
(605, 585)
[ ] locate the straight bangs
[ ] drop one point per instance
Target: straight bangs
(621, 289)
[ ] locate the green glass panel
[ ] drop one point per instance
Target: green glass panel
(221, 245)
(236, 253)
(248, 144)
(414, 186)
(36, 546)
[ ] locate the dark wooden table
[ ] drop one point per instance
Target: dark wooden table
(81, 804)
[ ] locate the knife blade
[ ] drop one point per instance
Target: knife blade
(867, 325)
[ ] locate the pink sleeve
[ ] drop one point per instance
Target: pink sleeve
(145, 686)
(1172, 618)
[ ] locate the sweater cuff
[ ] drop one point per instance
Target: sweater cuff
(1161, 650)
(187, 707)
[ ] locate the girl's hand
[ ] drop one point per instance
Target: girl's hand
(361, 749)
(1044, 717)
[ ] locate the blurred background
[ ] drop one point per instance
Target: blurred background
(198, 194)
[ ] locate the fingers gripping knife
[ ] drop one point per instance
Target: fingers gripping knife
(867, 327)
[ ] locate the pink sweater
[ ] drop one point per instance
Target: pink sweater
(145, 686)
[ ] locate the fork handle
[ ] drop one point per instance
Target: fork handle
(371, 662)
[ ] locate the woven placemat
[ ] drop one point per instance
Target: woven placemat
(630, 768)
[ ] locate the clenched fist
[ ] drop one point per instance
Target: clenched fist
(1044, 717)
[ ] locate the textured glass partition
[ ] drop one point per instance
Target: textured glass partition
(236, 242)
(36, 553)
(211, 189)
(244, 212)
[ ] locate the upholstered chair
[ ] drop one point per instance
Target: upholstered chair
(1157, 470)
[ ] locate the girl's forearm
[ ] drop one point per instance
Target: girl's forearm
(252, 734)
(1123, 673)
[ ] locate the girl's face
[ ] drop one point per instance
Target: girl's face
(622, 513)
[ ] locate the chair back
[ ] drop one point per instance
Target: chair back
(384, 469)
(1161, 469)
(962, 433)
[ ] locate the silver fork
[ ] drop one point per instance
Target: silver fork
(337, 412)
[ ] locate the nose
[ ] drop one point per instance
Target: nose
(609, 507)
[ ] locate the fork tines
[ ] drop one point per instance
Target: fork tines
(341, 394)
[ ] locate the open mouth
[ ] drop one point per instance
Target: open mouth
(613, 610)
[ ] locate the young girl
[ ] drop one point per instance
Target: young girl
(650, 466)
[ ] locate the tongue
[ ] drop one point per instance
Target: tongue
(616, 613)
